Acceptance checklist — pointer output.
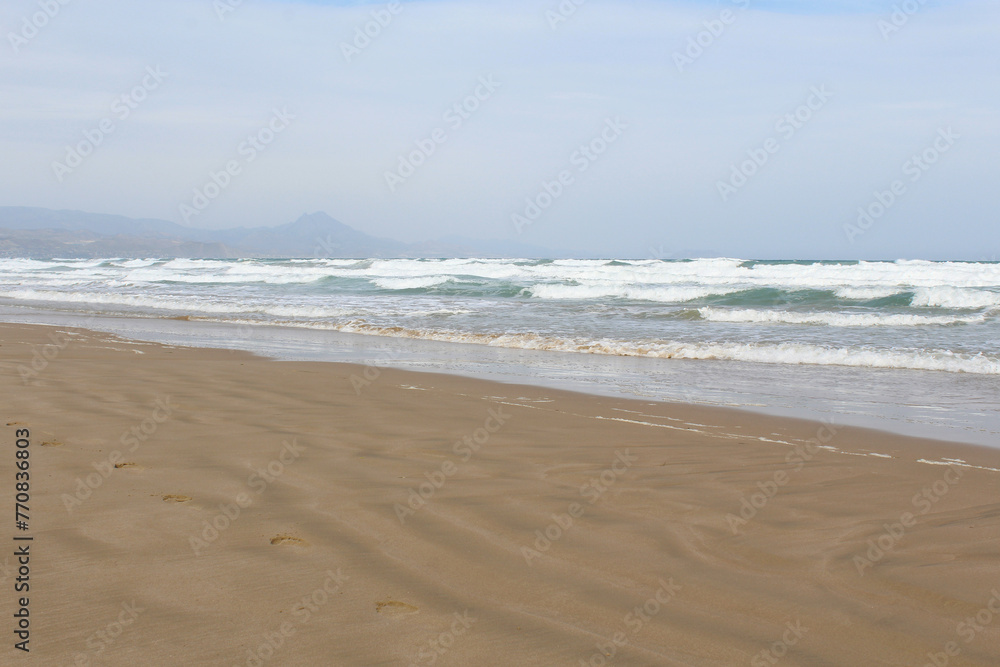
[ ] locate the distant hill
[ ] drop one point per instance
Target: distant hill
(45, 233)
(46, 243)
(37, 219)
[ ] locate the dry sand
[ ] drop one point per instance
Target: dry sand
(136, 450)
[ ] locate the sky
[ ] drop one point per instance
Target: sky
(847, 129)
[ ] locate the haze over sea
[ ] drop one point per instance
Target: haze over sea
(904, 345)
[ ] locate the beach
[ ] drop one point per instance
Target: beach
(212, 507)
(488, 334)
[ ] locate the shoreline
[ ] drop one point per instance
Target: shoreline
(718, 414)
(813, 393)
(404, 506)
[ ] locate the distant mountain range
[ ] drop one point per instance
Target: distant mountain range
(44, 233)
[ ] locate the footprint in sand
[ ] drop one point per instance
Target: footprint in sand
(395, 608)
(288, 539)
(176, 499)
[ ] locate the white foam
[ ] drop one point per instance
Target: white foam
(955, 297)
(798, 353)
(833, 319)
(864, 292)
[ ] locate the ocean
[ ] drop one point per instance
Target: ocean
(909, 346)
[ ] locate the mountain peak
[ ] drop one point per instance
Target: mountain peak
(318, 216)
(318, 222)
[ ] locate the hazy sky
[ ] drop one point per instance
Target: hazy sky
(309, 116)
